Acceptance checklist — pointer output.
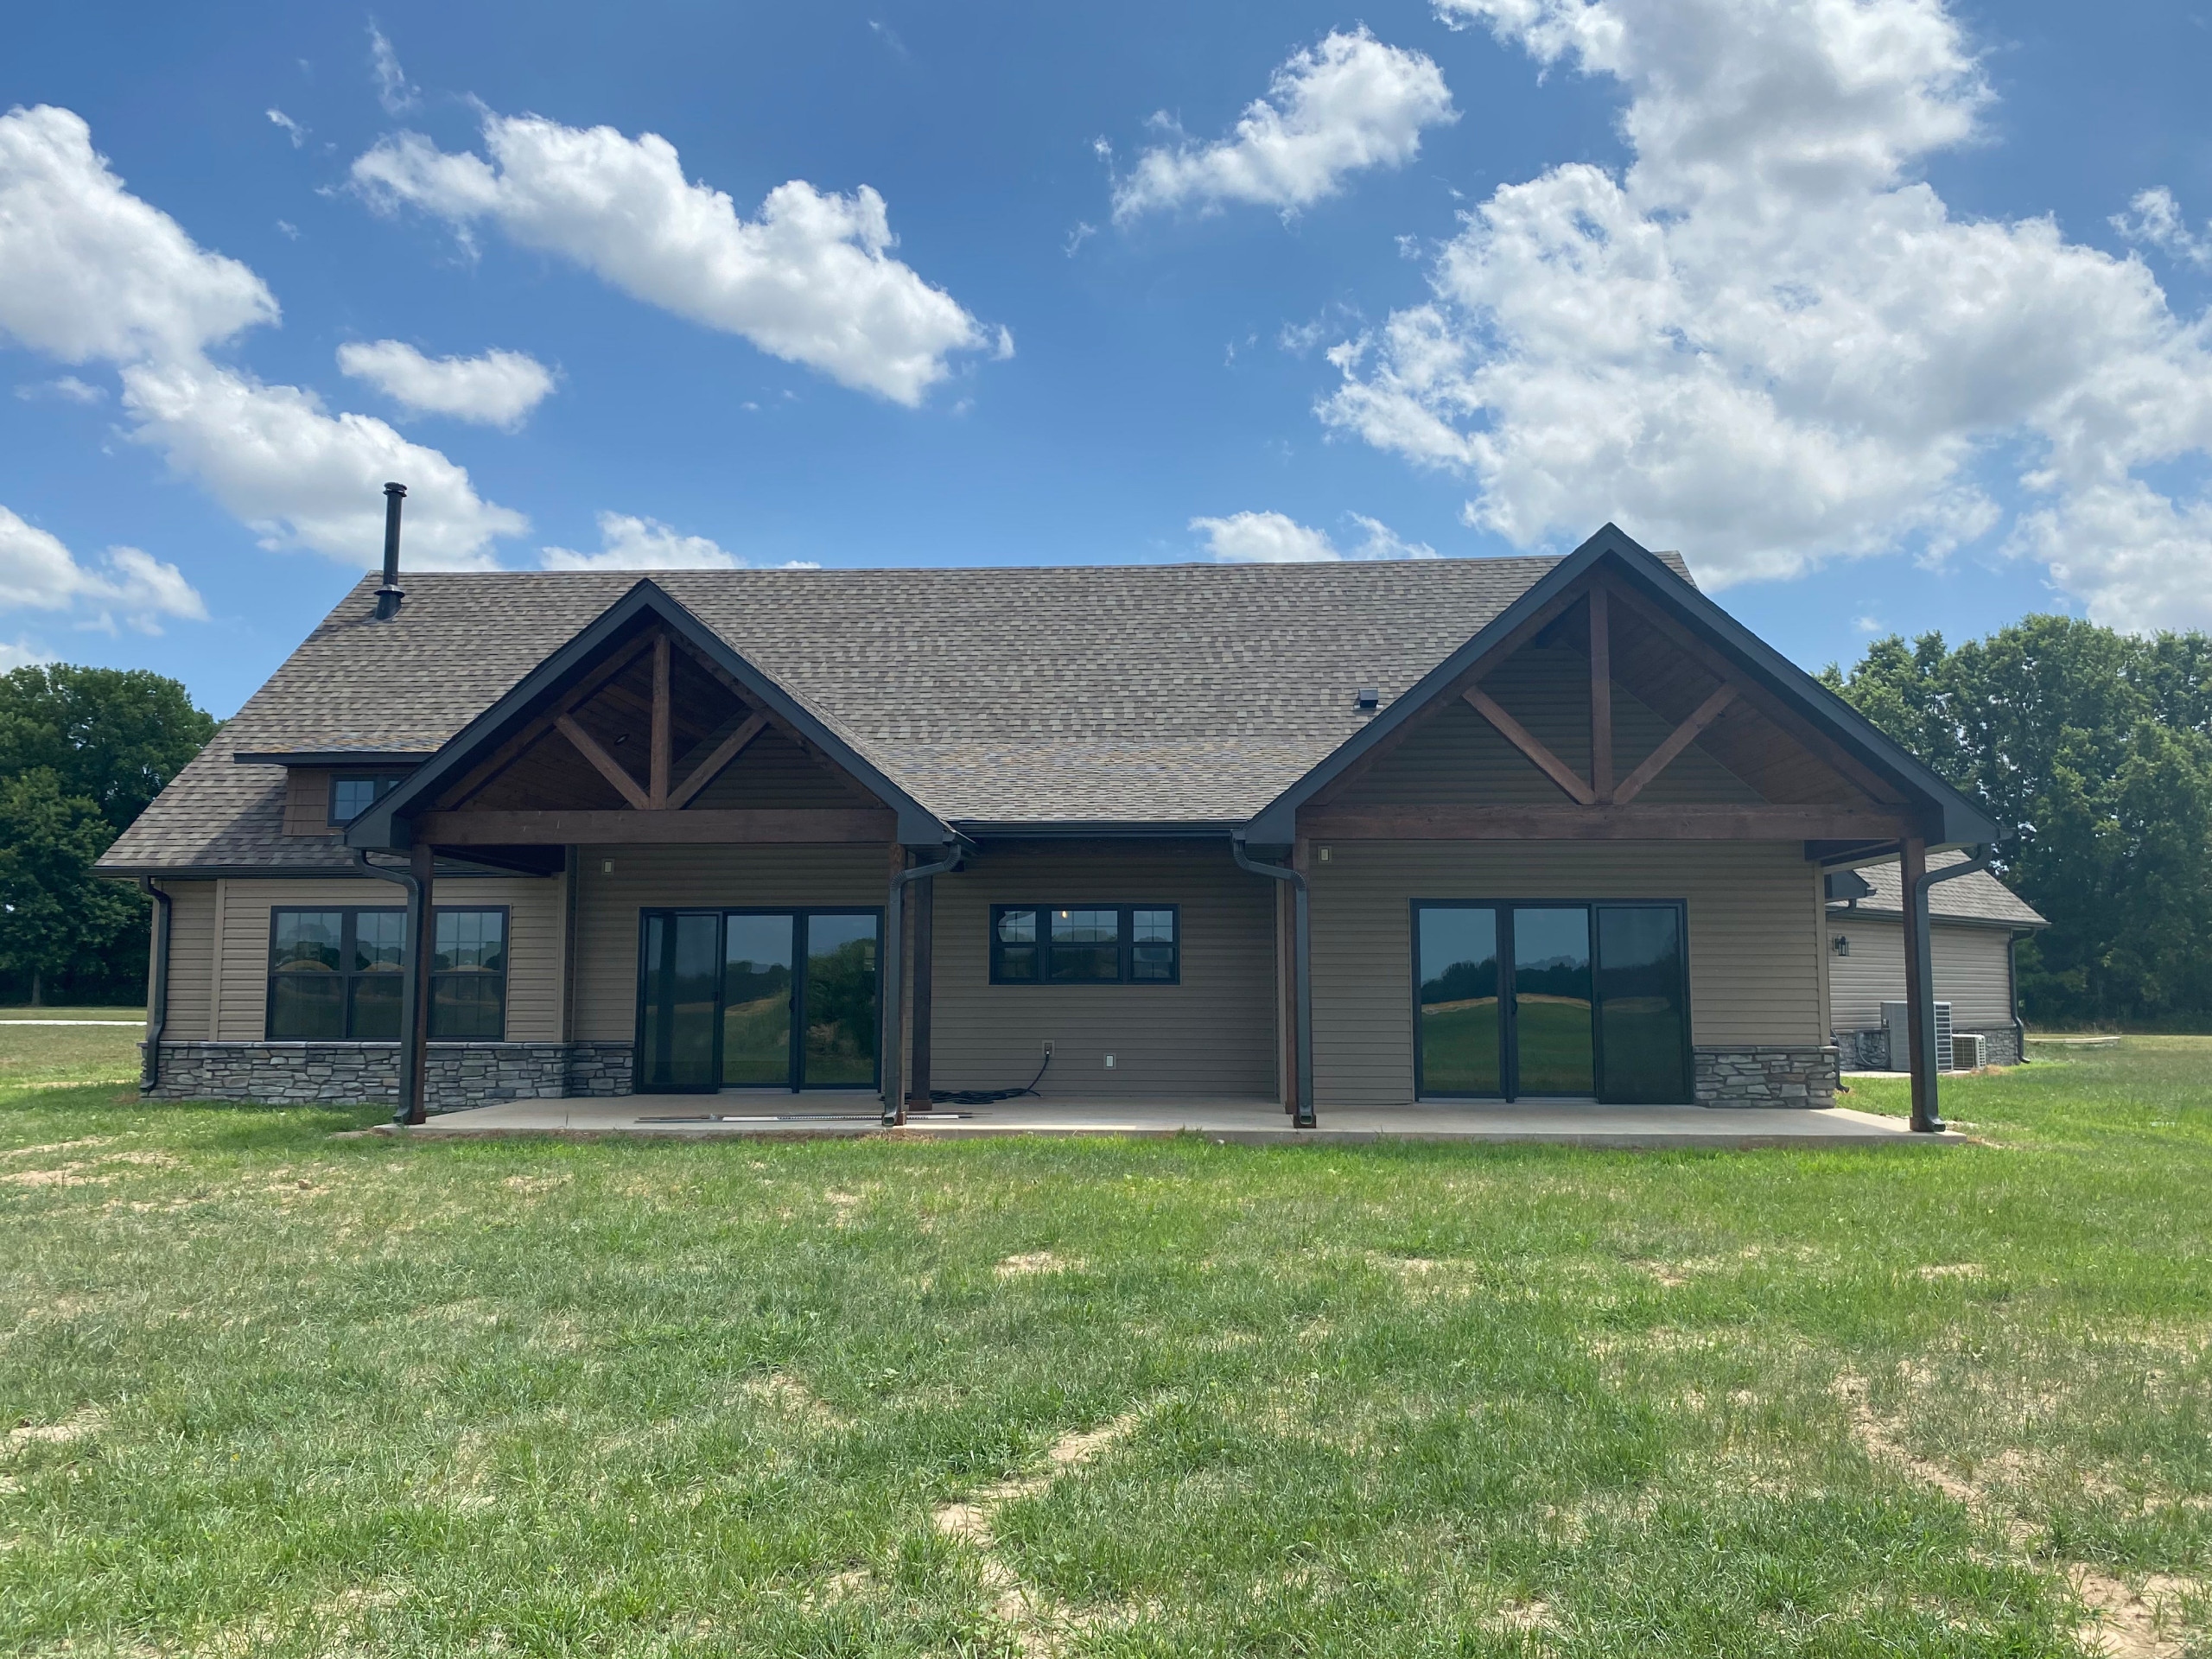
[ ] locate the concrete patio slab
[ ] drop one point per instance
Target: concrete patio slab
(1254, 1122)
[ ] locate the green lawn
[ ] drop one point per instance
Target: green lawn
(50, 1054)
(279, 1393)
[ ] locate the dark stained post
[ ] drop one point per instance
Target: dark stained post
(422, 948)
(891, 988)
(1601, 697)
(656, 787)
(923, 913)
(1287, 997)
(1919, 1000)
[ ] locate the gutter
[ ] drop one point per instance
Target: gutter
(894, 989)
(1301, 971)
(1932, 1121)
(411, 1109)
(157, 994)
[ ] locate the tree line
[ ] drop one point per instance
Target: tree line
(83, 752)
(2092, 750)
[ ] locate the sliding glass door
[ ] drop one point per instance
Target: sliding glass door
(742, 999)
(1557, 999)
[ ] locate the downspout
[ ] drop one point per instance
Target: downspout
(1926, 1012)
(157, 994)
(2012, 996)
(1301, 971)
(410, 1086)
(894, 989)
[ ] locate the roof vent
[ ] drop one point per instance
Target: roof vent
(1370, 698)
(389, 595)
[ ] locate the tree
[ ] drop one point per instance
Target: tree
(2093, 751)
(82, 752)
(113, 736)
(56, 916)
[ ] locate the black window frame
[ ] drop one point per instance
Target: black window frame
(349, 917)
(1125, 953)
(1508, 1057)
(386, 782)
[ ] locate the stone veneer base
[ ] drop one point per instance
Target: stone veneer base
(461, 1075)
(1767, 1077)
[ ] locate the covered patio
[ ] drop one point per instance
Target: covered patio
(1225, 1118)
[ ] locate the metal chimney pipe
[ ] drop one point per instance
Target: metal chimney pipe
(390, 593)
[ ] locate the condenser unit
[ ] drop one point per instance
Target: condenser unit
(1893, 1023)
(1969, 1050)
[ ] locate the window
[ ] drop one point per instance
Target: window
(334, 975)
(352, 793)
(1085, 944)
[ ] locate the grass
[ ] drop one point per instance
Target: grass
(280, 1393)
(52, 1054)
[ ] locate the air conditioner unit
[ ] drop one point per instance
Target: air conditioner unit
(1969, 1051)
(1893, 1023)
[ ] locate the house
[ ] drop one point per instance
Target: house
(1974, 923)
(1332, 835)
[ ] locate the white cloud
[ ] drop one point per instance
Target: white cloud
(66, 387)
(2154, 218)
(1276, 539)
(1768, 343)
(1348, 103)
(627, 542)
(498, 389)
(394, 91)
(37, 572)
(88, 271)
(811, 280)
(300, 477)
(22, 654)
(293, 129)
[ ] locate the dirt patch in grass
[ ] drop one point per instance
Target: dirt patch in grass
(1032, 1618)
(2120, 1620)
(1024, 1267)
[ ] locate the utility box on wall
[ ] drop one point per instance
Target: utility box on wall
(1893, 1024)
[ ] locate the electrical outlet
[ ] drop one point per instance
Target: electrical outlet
(1110, 1062)
(1048, 1048)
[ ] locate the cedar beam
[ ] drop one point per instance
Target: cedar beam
(708, 769)
(1545, 616)
(698, 826)
(1793, 724)
(1678, 740)
(664, 715)
(511, 751)
(608, 767)
(1523, 739)
(1601, 697)
(1699, 823)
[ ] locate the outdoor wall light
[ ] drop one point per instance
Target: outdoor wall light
(1841, 944)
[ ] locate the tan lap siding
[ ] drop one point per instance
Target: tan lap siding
(1971, 972)
(1754, 977)
(533, 944)
(192, 960)
(1211, 1034)
(608, 903)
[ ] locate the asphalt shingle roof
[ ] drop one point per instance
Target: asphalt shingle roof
(1110, 694)
(1977, 898)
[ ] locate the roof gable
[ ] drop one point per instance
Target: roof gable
(389, 823)
(1952, 818)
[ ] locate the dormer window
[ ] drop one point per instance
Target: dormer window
(352, 793)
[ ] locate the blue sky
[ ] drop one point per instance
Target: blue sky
(1843, 312)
